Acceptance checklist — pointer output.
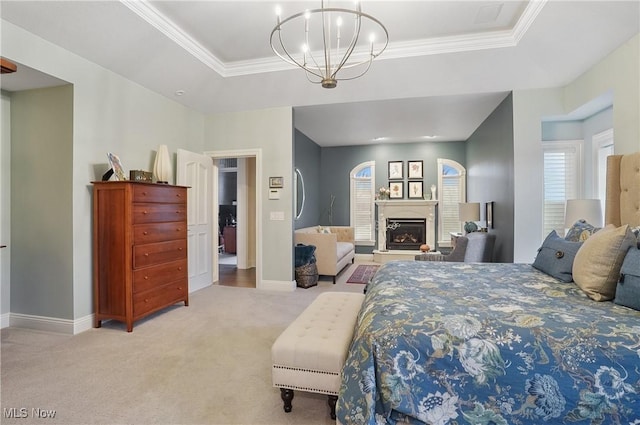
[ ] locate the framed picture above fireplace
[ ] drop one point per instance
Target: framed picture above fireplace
(414, 190)
(414, 169)
(395, 170)
(396, 190)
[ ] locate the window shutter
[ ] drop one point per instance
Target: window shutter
(363, 216)
(450, 198)
(362, 207)
(561, 182)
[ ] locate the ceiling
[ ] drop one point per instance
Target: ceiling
(447, 66)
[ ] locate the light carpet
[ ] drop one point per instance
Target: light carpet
(209, 363)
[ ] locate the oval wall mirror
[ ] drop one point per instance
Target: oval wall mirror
(299, 193)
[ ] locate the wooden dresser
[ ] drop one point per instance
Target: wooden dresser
(139, 249)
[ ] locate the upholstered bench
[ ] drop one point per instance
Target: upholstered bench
(310, 352)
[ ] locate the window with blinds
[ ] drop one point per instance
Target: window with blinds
(362, 206)
(562, 181)
(452, 191)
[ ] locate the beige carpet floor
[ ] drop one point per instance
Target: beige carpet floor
(209, 363)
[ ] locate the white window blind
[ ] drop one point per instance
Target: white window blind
(449, 200)
(452, 191)
(362, 207)
(562, 181)
(603, 144)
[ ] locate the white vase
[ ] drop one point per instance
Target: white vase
(162, 166)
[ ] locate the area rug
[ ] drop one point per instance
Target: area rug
(363, 274)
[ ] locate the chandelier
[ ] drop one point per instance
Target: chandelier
(322, 51)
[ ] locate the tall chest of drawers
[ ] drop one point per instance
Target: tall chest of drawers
(139, 249)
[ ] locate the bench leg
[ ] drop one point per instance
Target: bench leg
(332, 405)
(287, 395)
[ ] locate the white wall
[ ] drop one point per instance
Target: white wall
(270, 130)
(110, 114)
(5, 196)
(620, 72)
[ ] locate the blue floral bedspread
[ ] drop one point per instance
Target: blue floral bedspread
(455, 343)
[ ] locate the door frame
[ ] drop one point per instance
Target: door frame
(242, 153)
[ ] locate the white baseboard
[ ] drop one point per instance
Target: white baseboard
(364, 257)
(277, 285)
(51, 324)
(4, 320)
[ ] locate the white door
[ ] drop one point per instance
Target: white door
(196, 171)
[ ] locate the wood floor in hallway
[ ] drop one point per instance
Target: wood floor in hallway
(230, 275)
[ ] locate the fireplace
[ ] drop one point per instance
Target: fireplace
(406, 233)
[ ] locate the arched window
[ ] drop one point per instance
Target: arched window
(362, 206)
(451, 191)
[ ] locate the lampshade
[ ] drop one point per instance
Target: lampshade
(589, 210)
(469, 211)
(162, 166)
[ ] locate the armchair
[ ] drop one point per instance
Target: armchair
(476, 247)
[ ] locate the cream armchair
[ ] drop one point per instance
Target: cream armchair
(334, 250)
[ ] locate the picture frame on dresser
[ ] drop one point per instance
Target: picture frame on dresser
(396, 190)
(415, 190)
(116, 167)
(414, 169)
(395, 170)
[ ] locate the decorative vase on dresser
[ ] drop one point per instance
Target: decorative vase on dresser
(139, 249)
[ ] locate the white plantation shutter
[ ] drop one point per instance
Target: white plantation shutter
(449, 200)
(562, 177)
(451, 191)
(362, 203)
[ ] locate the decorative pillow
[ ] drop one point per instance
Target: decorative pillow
(555, 257)
(628, 289)
(597, 263)
(580, 231)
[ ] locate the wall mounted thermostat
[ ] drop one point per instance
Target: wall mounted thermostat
(274, 193)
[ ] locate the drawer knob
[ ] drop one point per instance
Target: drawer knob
(146, 300)
(178, 195)
(179, 249)
(178, 212)
(179, 269)
(180, 288)
(144, 212)
(178, 229)
(145, 233)
(146, 254)
(144, 193)
(146, 278)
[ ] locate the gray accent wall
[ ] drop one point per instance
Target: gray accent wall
(307, 160)
(326, 172)
(490, 175)
(41, 202)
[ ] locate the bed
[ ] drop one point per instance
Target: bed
(457, 343)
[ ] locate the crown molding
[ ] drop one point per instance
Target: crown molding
(397, 50)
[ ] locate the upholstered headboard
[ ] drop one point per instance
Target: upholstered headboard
(623, 190)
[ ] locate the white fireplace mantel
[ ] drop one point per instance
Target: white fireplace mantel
(406, 208)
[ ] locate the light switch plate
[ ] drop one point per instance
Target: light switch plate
(277, 215)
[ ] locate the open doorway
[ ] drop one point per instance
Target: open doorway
(227, 211)
(237, 204)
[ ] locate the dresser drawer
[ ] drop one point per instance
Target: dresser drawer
(154, 213)
(155, 299)
(158, 253)
(151, 193)
(155, 276)
(159, 232)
